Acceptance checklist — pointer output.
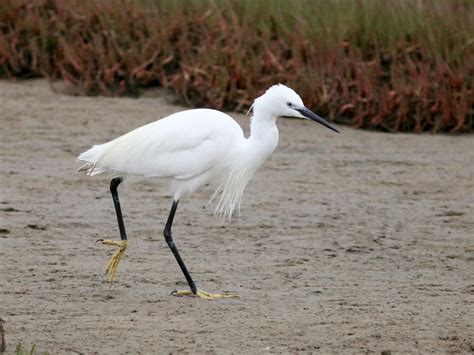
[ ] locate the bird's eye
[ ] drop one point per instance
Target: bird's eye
(289, 104)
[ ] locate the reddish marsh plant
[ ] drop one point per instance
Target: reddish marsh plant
(392, 65)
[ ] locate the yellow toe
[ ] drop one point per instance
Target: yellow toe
(204, 295)
(117, 256)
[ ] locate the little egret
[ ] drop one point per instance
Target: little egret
(191, 149)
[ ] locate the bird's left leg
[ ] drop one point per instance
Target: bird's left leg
(122, 244)
(194, 291)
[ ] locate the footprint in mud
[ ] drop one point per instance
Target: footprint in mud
(358, 249)
(36, 227)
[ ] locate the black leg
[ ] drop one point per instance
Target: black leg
(122, 245)
(170, 242)
(113, 189)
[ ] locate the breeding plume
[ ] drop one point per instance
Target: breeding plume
(191, 149)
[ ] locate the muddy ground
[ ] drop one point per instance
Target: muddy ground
(355, 242)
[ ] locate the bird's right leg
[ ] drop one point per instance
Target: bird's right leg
(194, 291)
(122, 244)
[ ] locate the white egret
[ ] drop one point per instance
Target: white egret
(193, 148)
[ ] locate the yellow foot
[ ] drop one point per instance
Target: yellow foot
(112, 265)
(203, 294)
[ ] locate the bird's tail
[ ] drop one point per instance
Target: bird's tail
(91, 157)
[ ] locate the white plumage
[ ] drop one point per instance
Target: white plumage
(197, 147)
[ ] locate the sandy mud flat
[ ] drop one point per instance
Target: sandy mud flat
(355, 242)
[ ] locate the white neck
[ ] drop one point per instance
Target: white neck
(263, 135)
(251, 154)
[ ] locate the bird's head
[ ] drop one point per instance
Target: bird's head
(281, 101)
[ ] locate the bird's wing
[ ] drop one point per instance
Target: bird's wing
(198, 155)
(180, 146)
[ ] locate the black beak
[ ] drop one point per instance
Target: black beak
(312, 116)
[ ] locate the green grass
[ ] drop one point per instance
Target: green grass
(395, 65)
(20, 351)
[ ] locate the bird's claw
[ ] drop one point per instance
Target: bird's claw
(116, 257)
(203, 294)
